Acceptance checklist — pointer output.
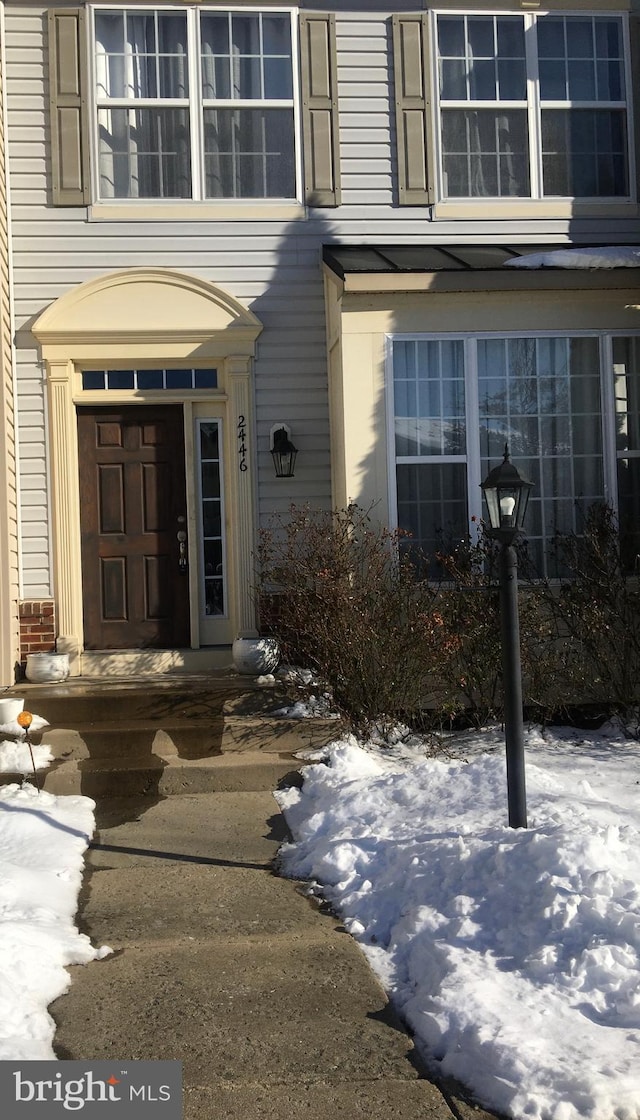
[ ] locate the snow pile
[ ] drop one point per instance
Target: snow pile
(15, 757)
(42, 843)
(616, 256)
(514, 955)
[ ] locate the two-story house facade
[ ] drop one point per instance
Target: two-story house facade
(226, 219)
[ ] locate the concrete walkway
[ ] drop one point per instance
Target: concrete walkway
(270, 1005)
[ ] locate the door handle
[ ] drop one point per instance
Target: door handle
(182, 550)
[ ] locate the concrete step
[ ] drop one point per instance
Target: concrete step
(82, 700)
(189, 738)
(157, 776)
(161, 736)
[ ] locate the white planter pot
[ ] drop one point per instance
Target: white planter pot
(254, 656)
(45, 668)
(10, 708)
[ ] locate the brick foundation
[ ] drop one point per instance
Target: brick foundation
(37, 627)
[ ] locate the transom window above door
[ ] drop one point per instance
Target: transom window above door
(532, 106)
(195, 104)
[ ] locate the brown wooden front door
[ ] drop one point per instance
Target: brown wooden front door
(132, 506)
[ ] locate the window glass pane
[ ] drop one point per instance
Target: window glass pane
(429, 398)
(276, 35)
(580, 58)
(211, 518)
(453, 79)
(451, 37)
(120, 379)
(110, 64)
(629, 510)
(93, 379)
(179, 378)
(512, 80)
(141, 77)
(550, 37)
(480, 34)
(482, 80)
(582, 80)
(206, 379)
(212, 557)
(580, 37)
(249, 153)
(553, 80)
(510, 36)
(144, 153)
(554, 444)
(210, 480)
(172, 64)
(278, 79)
(432, 504)
(485, 153)
(584, 152)
(215, 55)
(245, 34)
(150, 379)
(209, 441)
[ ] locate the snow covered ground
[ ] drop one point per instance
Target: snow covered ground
(513, 954)
(43, 839)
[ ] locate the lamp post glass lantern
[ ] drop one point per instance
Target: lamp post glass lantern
(507, 494)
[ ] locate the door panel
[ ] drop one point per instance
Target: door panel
(132, 492)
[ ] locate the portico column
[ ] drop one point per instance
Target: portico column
(65, 504)
(242, 486)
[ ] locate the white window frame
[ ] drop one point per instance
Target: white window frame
(536, 200)
(472, 458)
(196, 105)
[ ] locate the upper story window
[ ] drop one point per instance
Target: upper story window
(195, 104)
(532, 106)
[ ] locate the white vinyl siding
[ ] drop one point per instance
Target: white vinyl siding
(270, 265)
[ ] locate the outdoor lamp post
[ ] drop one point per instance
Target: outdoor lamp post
(507, 494)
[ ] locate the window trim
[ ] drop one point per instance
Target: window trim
(106, 208)
(534, 109)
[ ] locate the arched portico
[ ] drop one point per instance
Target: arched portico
(144, 329)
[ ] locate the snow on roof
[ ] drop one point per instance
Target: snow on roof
(615, 256)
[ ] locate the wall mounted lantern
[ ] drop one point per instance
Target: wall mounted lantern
(507, 494)
(282, 450)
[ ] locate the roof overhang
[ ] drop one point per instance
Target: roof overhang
(463, 268)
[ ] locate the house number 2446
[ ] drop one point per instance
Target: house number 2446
(242, 446)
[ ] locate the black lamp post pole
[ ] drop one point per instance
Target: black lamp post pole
(512, 683)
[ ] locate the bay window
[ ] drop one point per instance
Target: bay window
(567, 405)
